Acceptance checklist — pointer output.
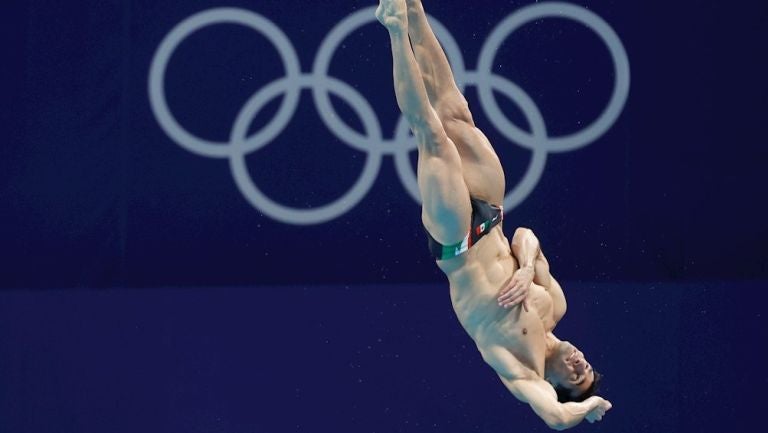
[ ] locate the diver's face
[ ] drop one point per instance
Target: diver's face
(571, 369)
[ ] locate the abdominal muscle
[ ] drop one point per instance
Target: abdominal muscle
(476, 279)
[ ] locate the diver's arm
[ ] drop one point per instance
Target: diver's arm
(527, 250)
(542, 398)
(529, 388)
(525, 246)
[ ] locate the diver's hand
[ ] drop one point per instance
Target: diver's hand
(599, 411)
(516, 291)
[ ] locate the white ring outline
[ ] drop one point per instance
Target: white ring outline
(194, 23)
(559, 10)
(269, 207)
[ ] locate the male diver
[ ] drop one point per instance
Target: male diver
(503, 294)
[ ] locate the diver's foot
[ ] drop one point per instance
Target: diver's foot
(414, 5)
(393, 14)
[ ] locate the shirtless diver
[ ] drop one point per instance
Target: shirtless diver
(503, 294)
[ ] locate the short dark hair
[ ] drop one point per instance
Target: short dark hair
(564, 394)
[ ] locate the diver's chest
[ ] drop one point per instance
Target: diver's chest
(525, 337)
(540, 303)
(522, 327)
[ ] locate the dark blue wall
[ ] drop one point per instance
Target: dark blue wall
(94, 191)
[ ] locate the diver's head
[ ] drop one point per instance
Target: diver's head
(570, 374)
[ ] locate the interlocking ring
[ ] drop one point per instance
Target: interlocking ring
(372, 141)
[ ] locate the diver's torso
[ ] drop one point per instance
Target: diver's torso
(476, 279)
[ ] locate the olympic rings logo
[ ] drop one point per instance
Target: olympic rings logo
(373, 142)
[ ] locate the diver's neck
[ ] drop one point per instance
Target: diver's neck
(551, 347)
(551, 344)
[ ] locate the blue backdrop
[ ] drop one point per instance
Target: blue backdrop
(97, 191)
(237, 177)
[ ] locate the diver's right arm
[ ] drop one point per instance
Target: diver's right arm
(530, 388)
(542, 398)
